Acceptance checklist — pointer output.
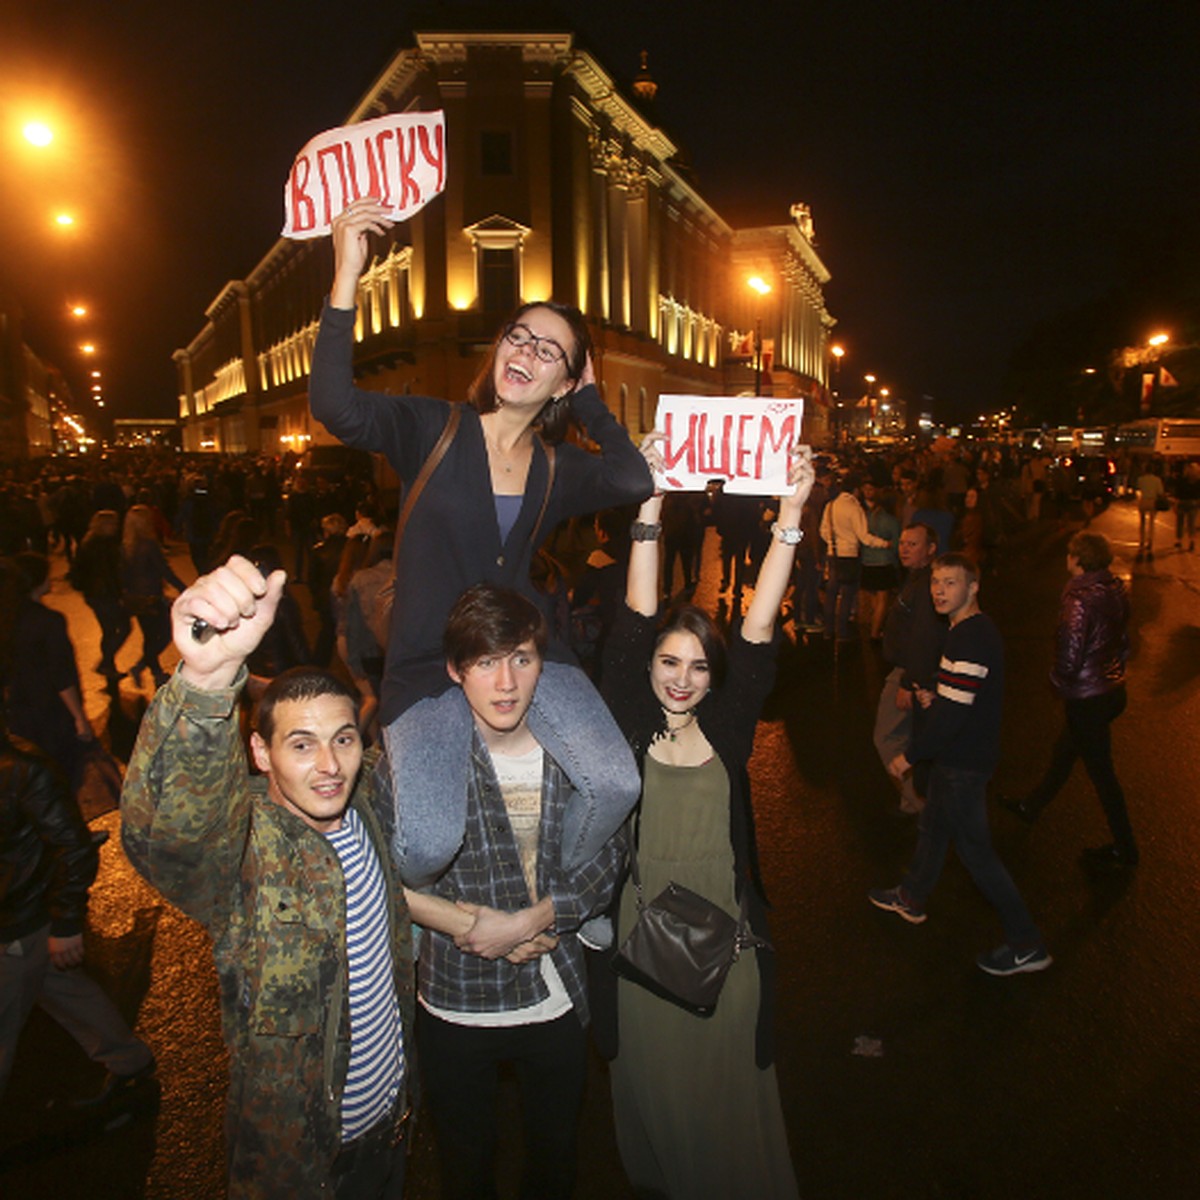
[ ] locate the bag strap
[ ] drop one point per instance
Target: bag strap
(551, 466)
(427, 468)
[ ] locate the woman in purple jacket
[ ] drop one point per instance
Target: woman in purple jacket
(1089, 674)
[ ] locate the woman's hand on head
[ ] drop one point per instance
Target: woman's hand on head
(587, 377)
(351, 246)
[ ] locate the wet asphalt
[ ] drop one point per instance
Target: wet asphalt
(905, 1072)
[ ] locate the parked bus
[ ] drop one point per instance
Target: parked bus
(1171, 437)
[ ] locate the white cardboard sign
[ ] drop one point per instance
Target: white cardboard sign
(401, 158)
(743, 440)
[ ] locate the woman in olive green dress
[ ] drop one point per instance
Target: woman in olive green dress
(696, 1103)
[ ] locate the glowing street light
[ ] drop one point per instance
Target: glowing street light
(64, 220)
(1159, 339)
(87, 348)
(756, 283)
(79, 310)
(38, 134)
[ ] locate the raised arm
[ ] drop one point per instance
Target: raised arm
(185, 805)
(641, 588)
(775, 574)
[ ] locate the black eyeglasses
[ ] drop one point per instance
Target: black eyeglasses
(546, 349)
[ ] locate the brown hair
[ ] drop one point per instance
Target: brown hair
(487, 619)
(555, 417)
(299, 683)
(961, 561)
(1090, 550)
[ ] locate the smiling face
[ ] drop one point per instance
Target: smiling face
(313, 758)
(520, 375)
(499, 689)
(679, 672)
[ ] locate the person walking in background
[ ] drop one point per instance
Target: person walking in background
(42, 697)
(1151, 500)
(1091, 650)
(144, 571)
(48, 860)
(844, 532)
(96, 572)
(1187, 501)
(962, 741)
(880, 575)
(913, 636)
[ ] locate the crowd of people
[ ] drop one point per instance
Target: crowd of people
(418, 838)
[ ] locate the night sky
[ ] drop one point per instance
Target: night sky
(973, 169)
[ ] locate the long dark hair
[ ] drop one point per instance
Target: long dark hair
(555, 418)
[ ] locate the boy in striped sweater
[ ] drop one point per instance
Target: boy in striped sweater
(961, 740)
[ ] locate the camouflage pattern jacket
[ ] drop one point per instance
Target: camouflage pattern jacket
(270, 892)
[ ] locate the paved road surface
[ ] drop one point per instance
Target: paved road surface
(906, 1073)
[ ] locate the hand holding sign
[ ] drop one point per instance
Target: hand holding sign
(350, 247)
(400, 160)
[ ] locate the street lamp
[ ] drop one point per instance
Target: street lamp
(757, 284)
(1159, 339)
(38, 134)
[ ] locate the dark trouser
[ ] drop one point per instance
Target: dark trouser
(806, 600)
(1086, 735)
(956, 811)
(371, 1167)
(460, 1071)
(155, 624)
(114, 629)
(841, 590)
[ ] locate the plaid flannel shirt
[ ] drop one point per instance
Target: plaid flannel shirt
(487, 870)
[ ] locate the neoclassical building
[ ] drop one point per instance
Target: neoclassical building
(557, 185)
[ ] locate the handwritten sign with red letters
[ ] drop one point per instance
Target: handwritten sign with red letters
(401, 158)
(743, 440)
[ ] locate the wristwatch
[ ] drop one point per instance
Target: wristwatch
(789, 535)
(640, 531)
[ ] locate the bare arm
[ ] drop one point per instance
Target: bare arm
(776, 572)
(641, 589)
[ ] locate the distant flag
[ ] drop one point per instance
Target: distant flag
(1166, 379)
(1147, 390)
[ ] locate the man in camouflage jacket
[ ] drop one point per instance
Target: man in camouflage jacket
(246, 858)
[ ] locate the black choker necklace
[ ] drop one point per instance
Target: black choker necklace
(673, 734)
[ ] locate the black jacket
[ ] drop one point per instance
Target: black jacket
(47, 857)
(914, 634)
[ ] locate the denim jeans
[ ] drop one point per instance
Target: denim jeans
(956, 811)
(1086, 734)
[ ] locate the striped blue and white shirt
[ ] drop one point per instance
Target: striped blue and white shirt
(376, 1068)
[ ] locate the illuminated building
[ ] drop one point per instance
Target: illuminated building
(558, 185)
(33, 393)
